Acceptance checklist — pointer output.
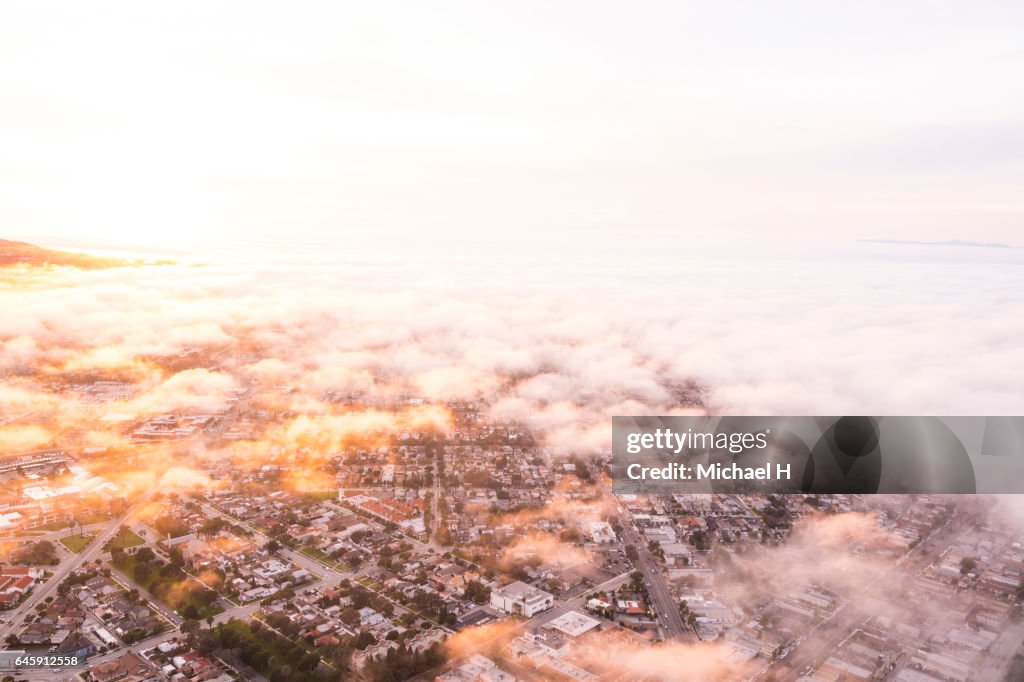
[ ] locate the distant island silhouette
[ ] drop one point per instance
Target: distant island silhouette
(23, 253)
(950, 242)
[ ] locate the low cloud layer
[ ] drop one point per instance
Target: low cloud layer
(561, 351)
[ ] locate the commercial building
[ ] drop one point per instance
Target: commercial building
(521, 599)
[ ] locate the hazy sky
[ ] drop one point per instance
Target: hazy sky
(196, 122)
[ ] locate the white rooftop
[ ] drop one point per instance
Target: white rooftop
(574, 623)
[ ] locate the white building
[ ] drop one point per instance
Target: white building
(602, 532)
(573, 623)
(521, 599)
(368, 617)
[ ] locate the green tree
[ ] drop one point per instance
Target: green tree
(477, 592)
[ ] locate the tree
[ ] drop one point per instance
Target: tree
(967, 564)
(700, 540)
(206, 643)
(273, 546)
(259, 660)
(309, 662)
(144, 555)
(443, 536)
(212, 526)
(207, 595)
(582, 471)
(141, 573)
(35, 553)
(360, 597)
(477, 592)
(364, 640)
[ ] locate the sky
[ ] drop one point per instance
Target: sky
(377, 123)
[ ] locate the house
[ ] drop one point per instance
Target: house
(79, 646)
(128, 667)
(33, 572)
(21, 585)
(631, 607)
(368, 617)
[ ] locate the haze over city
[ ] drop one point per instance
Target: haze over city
(318, 317)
